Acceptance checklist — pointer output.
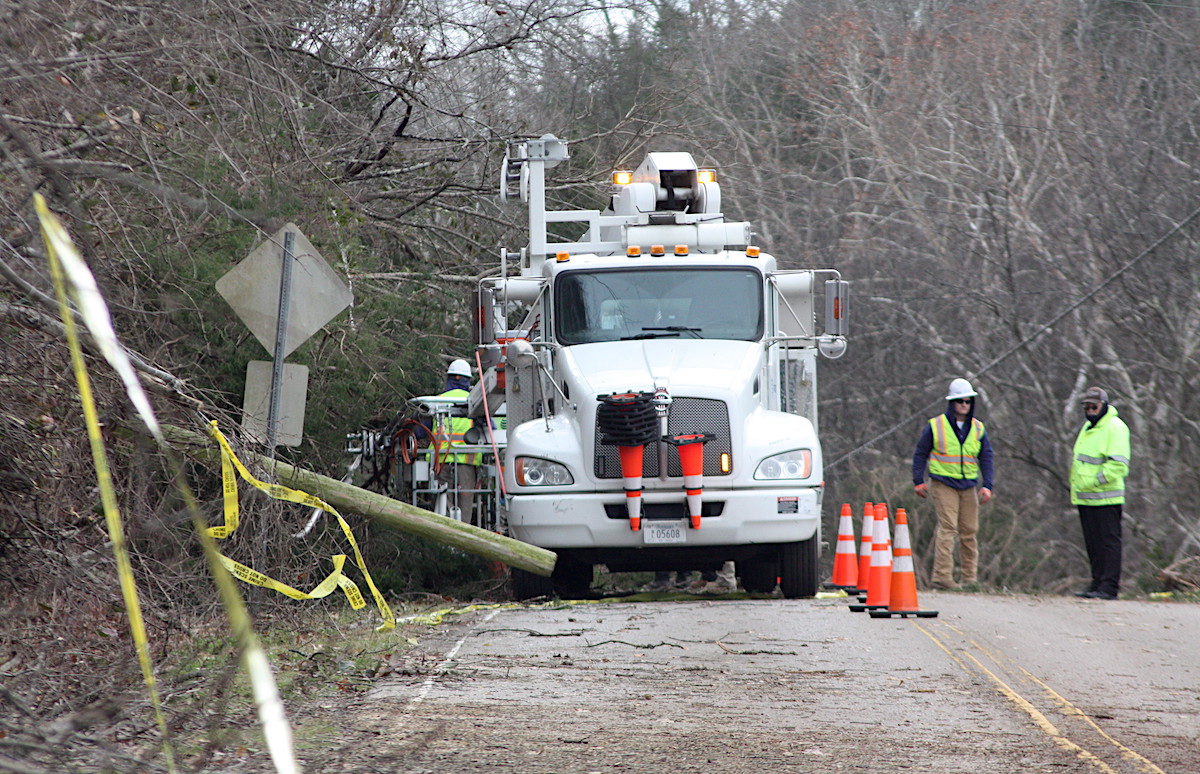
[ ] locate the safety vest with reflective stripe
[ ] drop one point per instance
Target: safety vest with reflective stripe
(1100, 461)
(950, 457)
(451, 432)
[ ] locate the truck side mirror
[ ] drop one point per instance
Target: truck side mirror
(832, 343)
(837, 299)
(485, 310)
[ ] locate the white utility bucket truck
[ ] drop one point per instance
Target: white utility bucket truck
(661, 385)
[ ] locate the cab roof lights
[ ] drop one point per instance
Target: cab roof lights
(633, 251)
(681, 249)
(658, 250)
(753, 251)
(562, 256)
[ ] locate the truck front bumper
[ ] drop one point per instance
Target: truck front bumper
(748, 516)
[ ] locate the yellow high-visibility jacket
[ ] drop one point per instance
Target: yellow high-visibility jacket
(1100, 461)
(950, 458)
(450, 432)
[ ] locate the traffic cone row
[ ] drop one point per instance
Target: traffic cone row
(885, 575)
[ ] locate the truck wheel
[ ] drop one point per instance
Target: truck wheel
(799, 574)
(527, 585)
(758, 577)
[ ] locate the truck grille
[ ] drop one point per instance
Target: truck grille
(686, 415)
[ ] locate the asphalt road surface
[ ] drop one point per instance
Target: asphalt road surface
(741, 686)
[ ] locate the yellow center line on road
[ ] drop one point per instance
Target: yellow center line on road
(1141, 761)
(1020, 701)
(1143, 764)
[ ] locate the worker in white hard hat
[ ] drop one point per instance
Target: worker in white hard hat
(461, 369)
(457, 470)
(955, 449)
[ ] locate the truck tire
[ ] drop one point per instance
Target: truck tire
(799, 573)
(527, 585)
(758, 577)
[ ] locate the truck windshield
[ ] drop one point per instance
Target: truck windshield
(621, 304)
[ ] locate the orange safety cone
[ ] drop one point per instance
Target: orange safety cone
(631, 471)
(879, 583)
(864, 554)
(691, 465)
(845, 558)
(629, 421)
(903, 597)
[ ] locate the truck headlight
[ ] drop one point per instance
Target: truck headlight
(793, 464)
(534, 471)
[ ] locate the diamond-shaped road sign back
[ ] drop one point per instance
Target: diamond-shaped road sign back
(317, 294)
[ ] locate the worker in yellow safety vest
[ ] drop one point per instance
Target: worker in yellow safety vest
(458, 470)
(955, 448)
(1099, 464)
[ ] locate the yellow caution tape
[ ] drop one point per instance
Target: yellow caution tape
(230, 461)
(230, 497)
(57, 240)
(332, 581)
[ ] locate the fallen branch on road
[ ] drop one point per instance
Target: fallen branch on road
(634, 644)
(535, 633)
(728, 649)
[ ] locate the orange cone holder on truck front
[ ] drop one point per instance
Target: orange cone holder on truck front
(631, 473)
(903, 597)
(629, 421)
(845, 558)
(691, 463)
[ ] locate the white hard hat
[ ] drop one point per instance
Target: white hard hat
(960, 388)
(459, 368)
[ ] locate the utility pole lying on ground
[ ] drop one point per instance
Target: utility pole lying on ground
(383, 510)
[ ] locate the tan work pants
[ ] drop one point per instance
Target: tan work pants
(957, 517)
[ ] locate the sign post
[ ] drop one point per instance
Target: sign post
(285, 294)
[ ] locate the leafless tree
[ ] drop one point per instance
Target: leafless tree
(1009, 186)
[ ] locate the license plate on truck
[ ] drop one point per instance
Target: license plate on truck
(663, 532)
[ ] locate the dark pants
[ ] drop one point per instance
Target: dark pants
(1102, 536)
